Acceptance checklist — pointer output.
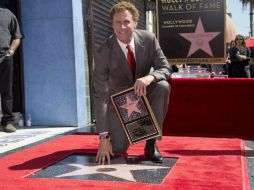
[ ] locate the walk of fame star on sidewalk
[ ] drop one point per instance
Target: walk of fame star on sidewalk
(131, 168)
(117, 170)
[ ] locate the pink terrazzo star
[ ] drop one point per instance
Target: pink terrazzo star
(131, 106)
(200, 39)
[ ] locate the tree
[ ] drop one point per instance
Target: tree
(251, 3)
(245, 2)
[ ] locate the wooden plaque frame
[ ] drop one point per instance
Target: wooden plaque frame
(136, 116)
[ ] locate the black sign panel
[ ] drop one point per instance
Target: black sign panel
(192, 31)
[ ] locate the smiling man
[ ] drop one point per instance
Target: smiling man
(130, 57)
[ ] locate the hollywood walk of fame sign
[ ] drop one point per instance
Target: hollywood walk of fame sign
(136, 116)
(192, 31)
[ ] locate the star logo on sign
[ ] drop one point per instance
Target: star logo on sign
(122, 171)
(200, 39)
(131, 106)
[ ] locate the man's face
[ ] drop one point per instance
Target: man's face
(124, 26)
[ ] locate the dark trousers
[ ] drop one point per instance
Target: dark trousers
(240, 70)
(252, 70)
(6, 81)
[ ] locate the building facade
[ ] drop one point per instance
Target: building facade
(55, 59)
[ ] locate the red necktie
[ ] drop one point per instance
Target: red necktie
(131, 60)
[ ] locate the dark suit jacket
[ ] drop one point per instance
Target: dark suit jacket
(112, 73)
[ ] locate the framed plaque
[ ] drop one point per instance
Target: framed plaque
(136, 116)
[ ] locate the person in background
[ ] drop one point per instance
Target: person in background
(232, 44)
(114, 72)
(240, 59)
(10, 36)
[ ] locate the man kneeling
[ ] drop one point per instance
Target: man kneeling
(130, 57)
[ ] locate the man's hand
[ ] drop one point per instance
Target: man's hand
(141, 84)
(104, 151)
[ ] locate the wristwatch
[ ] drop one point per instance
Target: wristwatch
(10, 52)
(104, 136)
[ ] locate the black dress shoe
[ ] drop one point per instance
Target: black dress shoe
(152, 152)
